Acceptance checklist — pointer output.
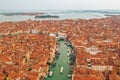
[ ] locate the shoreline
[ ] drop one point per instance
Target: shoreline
(23, 13)
(111, 15)
(58, 19)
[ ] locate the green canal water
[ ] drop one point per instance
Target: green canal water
(62, 61)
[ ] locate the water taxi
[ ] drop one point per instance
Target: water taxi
(61, 69)
(50, 73)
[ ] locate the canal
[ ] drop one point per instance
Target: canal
(62, 61)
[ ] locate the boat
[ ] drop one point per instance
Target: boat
(69, 75)
(50, 73)
(61, 69)
(68, 52)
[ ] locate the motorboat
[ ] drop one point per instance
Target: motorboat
(61, 69)
(50, 73)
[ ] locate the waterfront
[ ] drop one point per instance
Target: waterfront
(63, 61)
(63, 14)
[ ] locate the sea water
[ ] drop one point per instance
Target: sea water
(63, 14)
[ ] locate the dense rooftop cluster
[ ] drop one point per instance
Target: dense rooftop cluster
(98, 49)
(25, 56)
(96, 41)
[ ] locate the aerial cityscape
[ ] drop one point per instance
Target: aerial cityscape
(57, 44)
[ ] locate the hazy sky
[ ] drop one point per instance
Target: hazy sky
(59, 4)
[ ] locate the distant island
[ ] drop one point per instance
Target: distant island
(112, 14)
(46, 16)
(26, 14)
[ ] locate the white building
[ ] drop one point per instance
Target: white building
(92, 50)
